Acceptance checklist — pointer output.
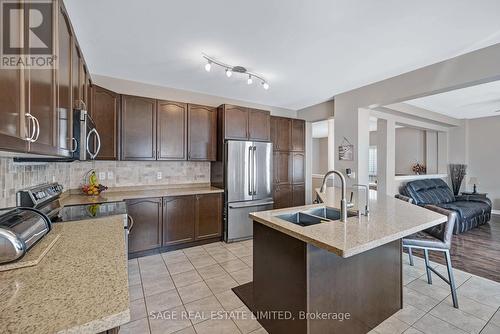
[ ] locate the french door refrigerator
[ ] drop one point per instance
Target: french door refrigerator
(249, 167)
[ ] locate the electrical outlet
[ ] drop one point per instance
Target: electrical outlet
(158, 176)
(110, 175)
(102, 176)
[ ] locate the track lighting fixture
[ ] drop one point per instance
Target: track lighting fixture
(229, 69)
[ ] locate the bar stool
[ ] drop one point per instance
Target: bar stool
(437, 238)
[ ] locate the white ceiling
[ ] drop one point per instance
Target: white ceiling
(308, 50)
(471, 102)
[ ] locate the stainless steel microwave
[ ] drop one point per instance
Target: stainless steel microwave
(86, 141)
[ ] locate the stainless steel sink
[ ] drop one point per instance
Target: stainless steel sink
(314, 216)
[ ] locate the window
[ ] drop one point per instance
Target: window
(372, 161)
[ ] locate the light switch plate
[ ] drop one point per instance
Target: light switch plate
(102, 176)
(158, 176)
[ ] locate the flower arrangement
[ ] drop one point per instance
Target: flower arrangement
(419, 168)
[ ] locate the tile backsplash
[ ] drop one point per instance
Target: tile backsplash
(15, 176)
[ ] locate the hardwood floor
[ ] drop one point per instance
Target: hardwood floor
(476, 251)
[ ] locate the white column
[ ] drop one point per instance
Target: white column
(431, 151)
(331, 144)
(442, 163)
(386, 156)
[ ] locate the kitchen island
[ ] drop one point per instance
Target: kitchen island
(80, 286)
(331, 276)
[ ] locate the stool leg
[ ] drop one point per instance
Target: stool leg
(451, 278)
(427, 265)
(410, 256)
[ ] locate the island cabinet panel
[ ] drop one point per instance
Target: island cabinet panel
(298, 195)
(283, 196)
(171, 130)
(178, 219)
(259, 125)
(104, 109)
(146, 231)
(138, 128)
(208, 216)
(202, 133)
(298, 135)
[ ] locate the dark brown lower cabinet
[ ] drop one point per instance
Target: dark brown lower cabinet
(283, 197)
(146, 231)
(178, 219)
(298, 194)
(208, 216)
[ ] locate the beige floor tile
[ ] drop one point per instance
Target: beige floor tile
(179, 267)
(156, 285)
(153, 269)
(245, 251)
(432, 325)
(491, 329)
(186, 278)
(133, 264)
(243, 276)
(392, 326)
(409, 314)
(170, 321)
(472, 307)
(234, 265)
(482, 290)
(203, 309)
(202, 261)
(140, 326)
(496, 318)
(421, 286)
(245, 320)
(137, 309)
(458, 318)
(152, 260)
(211, 271)
(221, 283)
(216, 327)
(224, 256)
(408, 278)
(194, 292)
(460, 277)
(188, 330)
(248, 260)
(175, 256)
(163, 301)
(195, 251)
(135, 291)
(260, 331)
(418, 300)
(229, 300)
(412, 330)
(134, 278)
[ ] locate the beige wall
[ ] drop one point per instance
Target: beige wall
(14, 177)
(410, 148)
(319, 155)
(317, 112)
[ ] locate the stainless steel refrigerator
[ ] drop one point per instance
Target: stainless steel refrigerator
(249, 167)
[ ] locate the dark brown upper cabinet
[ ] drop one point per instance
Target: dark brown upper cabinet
(281, 133)
(171, 130)
(202, 133)
(104, 108)
(146, 231)
(138, 128)
(178, 219)
(208, 216)
(298, 135)
(242, 123)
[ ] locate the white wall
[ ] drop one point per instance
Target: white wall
(410, 149)
(319, 155)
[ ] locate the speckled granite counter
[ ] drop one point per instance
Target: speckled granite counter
(120, 194)
(80, 286)
(390, 219)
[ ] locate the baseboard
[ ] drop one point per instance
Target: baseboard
(495, 212)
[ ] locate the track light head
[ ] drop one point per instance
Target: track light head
(249, 80)
(208, 66)
(265, 85)
(228, 72)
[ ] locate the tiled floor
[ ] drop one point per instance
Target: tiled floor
(197, 282)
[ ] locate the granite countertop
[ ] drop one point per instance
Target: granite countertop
(390, 219)
(80, 286)
(124, 193)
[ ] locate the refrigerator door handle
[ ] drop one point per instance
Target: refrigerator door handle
(254, 191)
(250, 172)
(250, 205)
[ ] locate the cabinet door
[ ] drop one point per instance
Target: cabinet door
(298, 194)
(259, 125)
(235, 122)
(298, 135)
(209, 216)
(202, 133)
(297, 167)
(147, 216)
(281, 134)
(282, 196)
(178, 219)
(13, 124)
(138, 120)
(172, 128)
(105, 111)
(282, 171)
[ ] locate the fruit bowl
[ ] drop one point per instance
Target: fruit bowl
(91, 185)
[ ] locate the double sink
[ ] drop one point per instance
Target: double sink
(315, 216)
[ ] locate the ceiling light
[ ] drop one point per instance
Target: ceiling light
(208, 66)
(229, 69)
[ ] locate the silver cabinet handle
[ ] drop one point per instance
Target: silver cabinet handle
(37, 129)
(254, 191)
(250, 172)
(93, 155)
(98, 149)
(131, 223)
(32, 127)
(74, 145)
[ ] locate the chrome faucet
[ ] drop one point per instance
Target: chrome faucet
(367, 197)
(343, 201)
